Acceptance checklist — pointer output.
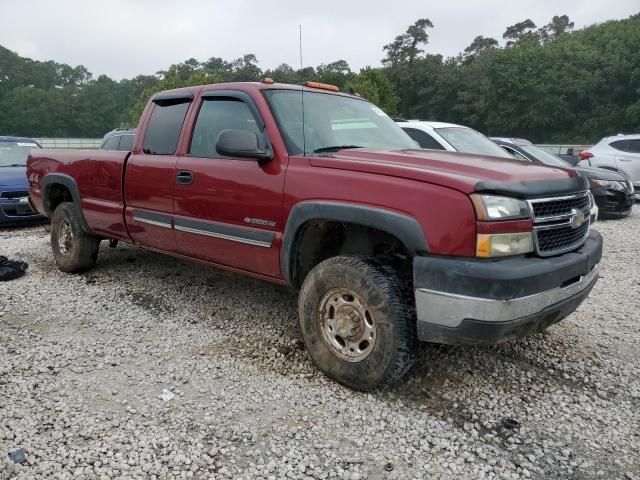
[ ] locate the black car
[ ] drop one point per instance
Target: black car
(119, 139)
(612, 191)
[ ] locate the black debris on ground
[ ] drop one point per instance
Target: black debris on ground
(11, 269)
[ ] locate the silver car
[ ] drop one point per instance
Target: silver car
(620, 153)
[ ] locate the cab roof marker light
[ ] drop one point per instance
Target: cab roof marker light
(322, 86)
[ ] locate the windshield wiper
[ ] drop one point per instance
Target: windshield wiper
(14, 165)
(335, 148)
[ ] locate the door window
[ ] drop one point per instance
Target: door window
(218, 114)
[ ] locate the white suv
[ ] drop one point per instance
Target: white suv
(451, 137)
(620, 153)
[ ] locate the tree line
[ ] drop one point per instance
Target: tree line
(549, 84)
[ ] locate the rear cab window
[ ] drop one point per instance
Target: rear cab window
(165, 125)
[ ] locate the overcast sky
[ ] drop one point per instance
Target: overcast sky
(123, 38)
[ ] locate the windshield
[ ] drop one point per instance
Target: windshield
(544, 157)
(467, 140)
(333, 121)
(14, 154)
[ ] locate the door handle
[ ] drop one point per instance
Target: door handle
(184, 177)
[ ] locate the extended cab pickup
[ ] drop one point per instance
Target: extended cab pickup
(386, 243)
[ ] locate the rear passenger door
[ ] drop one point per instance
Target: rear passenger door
(150, 174)
(229, 210)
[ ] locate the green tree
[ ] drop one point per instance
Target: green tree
(521, 32)
(373, 84)
(556, 27)
(479, 45)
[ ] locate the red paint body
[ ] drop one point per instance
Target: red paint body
(429, 186)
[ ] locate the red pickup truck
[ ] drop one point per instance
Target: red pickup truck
(386, 243)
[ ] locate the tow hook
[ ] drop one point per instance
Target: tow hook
(113, 243)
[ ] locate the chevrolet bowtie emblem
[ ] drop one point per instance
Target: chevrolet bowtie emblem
(577, 218)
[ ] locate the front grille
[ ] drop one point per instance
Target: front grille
(562, 206)
(14, 195)
(560, 224)
(554, 239)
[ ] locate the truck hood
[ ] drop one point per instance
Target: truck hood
(13, 177)
(467, 173)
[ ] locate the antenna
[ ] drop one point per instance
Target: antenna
(304, 139)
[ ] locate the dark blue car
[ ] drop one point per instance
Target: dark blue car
(15, 207)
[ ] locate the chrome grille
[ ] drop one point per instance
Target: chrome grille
(559, 207)
(560, 224)
(552, 239)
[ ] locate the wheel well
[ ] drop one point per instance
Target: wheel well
(56, 194)
(317, 240)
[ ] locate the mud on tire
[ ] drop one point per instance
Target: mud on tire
(73, 249)
(388, 317)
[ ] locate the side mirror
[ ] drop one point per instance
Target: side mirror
(241, 144)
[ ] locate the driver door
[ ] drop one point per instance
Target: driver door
(228, 210)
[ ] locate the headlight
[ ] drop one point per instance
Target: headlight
(610, 184)
(493, 207)
(503, 244)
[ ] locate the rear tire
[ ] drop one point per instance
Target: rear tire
(358, 322)
(74, 250)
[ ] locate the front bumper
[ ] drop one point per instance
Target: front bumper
(469, 301)
(613, 203)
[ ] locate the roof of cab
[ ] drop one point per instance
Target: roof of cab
(253, 86)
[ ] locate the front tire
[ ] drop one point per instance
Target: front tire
(358, 322)
(74, 250)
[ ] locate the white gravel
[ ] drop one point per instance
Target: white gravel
(149, 367)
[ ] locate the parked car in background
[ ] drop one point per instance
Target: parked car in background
(619, 153)
(15, 207)
(451, 137)
(569, 157)
(612, 191)
(119, 139)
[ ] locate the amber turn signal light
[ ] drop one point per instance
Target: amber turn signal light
(322, 86)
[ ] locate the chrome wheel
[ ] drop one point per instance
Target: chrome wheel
(347, 325)
(65, 237)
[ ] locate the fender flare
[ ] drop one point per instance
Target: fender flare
(70, 184)
(403, 227)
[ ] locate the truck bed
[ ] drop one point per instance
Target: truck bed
(99, 176)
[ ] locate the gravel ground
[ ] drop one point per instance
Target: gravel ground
(85, 360)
